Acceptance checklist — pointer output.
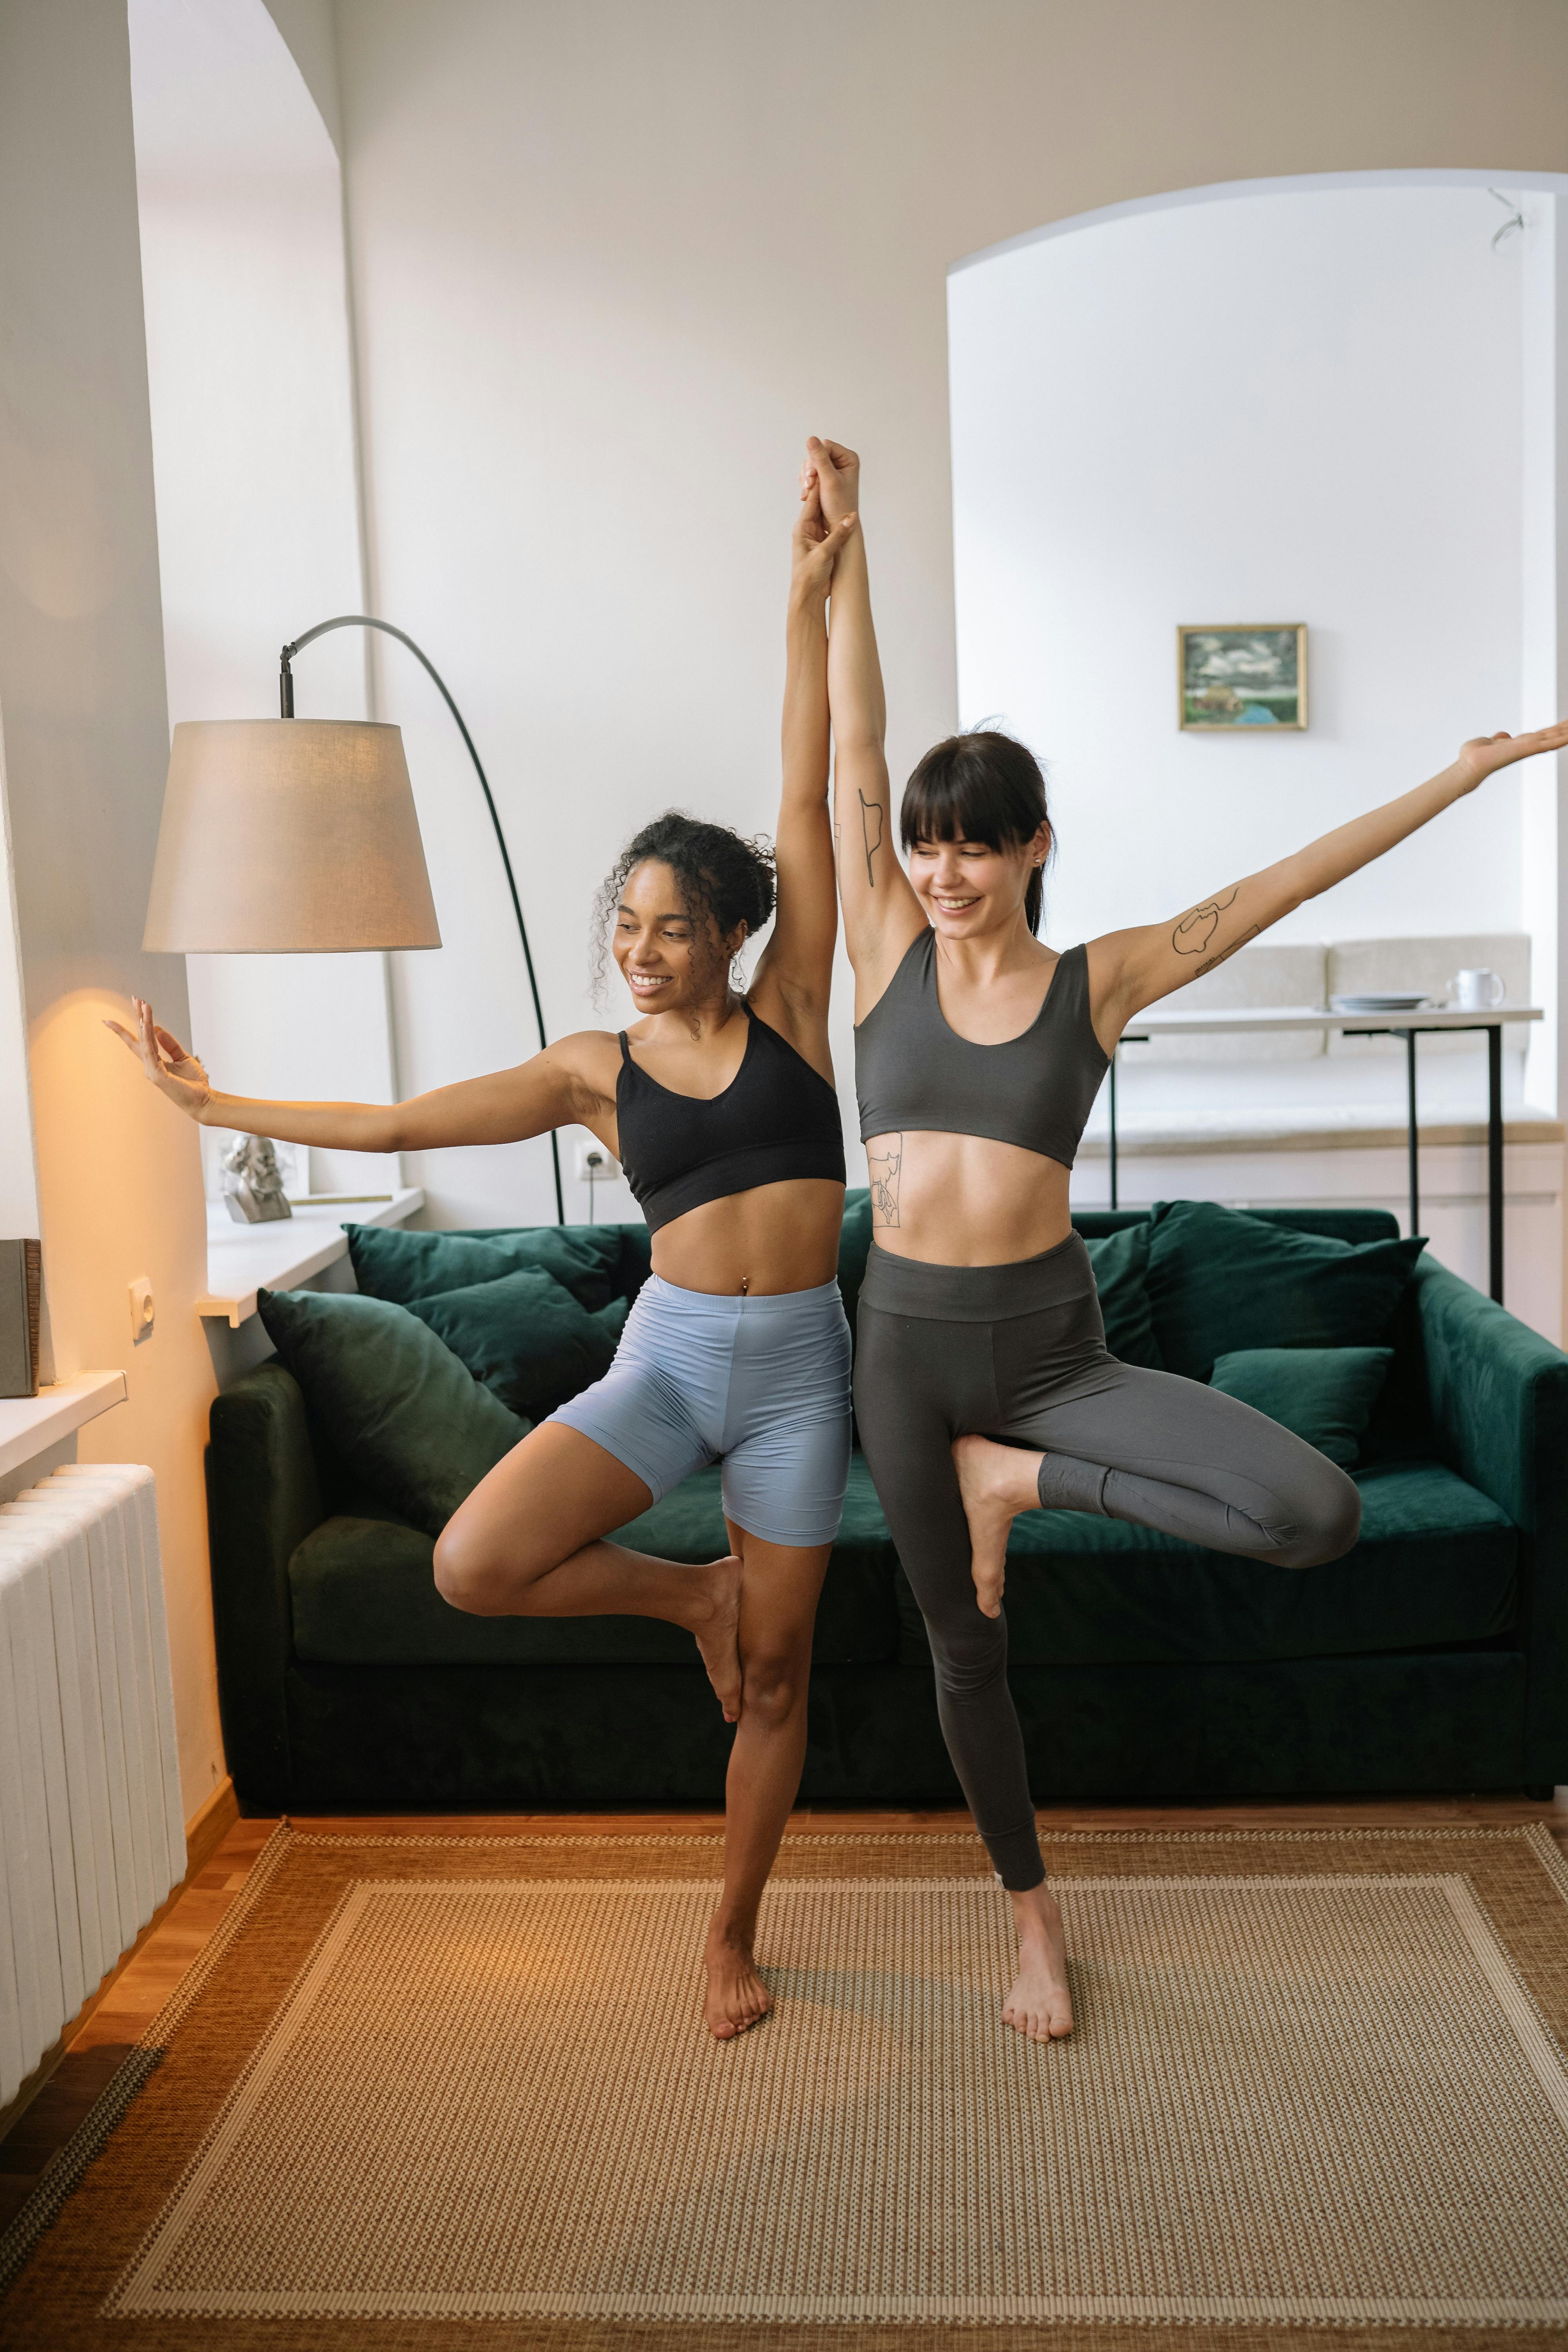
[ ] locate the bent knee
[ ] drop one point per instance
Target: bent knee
(470, 1575)
(1327, 1525)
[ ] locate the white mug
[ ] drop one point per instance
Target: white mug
(1477, 991)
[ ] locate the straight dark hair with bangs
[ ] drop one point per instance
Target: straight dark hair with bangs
(980, 786)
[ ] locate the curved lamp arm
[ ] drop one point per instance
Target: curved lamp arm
(286, 702)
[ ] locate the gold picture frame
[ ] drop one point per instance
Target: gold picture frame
(1241, 677)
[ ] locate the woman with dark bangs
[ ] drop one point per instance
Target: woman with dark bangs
(719, 1104)
(979, 1052)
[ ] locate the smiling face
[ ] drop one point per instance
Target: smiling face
(968, 888)
(669, 960)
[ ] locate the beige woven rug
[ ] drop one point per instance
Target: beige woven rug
(1318, 2082)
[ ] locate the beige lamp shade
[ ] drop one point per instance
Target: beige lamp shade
(288, 837)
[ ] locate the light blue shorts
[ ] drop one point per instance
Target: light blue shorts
(760, 1384)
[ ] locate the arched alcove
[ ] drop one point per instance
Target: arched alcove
(1335, 401)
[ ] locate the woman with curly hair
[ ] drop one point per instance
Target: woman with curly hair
(721, 1106)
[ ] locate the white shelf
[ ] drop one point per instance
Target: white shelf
(244, 1259)
(30, 1425)
(1244, 1019)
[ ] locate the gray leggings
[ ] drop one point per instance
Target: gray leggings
(1018, 1352)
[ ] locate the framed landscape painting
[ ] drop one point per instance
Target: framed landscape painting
(1238, 677)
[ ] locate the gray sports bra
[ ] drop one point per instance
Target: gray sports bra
(912, 1072)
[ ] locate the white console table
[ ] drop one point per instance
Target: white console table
(1408, 1026)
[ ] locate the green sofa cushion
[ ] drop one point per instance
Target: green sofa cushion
(404, 1414)
(1121, 1264)
(1323, 1394)
(1220, 1280)
(854, 1248)
(389, 1263)
(362, 1594)
(1437, 1563)
(526, 1338)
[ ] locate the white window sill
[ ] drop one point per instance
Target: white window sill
(244, 1259)
(30, 1425)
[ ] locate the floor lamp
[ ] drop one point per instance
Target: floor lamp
(299, 837)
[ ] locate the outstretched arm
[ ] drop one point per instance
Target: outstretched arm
(881, 913)
(1129, 969)
(505, 1108)
(794, 975)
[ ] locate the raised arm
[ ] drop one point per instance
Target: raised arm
(1130, 969)
(794, 975)
(507, 1107)
(881, 913)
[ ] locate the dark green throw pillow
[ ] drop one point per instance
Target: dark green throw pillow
(1323, 1394)
(854, 1248)
(391, 1263)
(1120, 1263)
(526, 1338)
(1220, 1280)
(408, 1419)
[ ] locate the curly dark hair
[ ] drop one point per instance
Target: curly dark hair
(717, 873)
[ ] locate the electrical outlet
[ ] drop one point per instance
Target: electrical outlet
(594, 1165)
(141, 1309)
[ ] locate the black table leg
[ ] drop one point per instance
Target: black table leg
(1494, 1156)
(1114, 1052)
(1413, 1142)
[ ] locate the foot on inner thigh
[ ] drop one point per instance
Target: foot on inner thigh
(1039, 2004)
(737, 1996)
(996, 1482)
(716, 1624)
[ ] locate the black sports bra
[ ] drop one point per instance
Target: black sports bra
(777, 1118)
(913, 1072)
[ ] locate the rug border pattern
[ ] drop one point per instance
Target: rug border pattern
(70, 2162)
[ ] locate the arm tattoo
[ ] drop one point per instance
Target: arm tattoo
(884, 1167)
(1224, 953)
(1196, 928)
(869, 809)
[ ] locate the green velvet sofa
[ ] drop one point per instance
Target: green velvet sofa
(1433, 1656)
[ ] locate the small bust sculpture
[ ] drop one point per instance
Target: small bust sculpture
(253, 1182)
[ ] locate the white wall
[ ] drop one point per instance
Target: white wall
(1276, 408)
(86, 743)
(256, 466)
(613, 263)
(1543, 796)
(18, 1172)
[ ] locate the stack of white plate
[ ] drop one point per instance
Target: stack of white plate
(1395, 1000)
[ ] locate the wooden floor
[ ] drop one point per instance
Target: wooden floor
(135, 1995)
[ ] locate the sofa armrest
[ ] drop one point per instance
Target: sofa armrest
(1498, 1399)
(264, 1497)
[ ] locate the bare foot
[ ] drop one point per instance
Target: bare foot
(718, 1633)
(737, 1996)
(996, 1482)
(1040, 2005)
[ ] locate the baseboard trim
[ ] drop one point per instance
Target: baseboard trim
(205, 1832)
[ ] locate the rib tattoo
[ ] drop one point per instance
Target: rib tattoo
(883, 1164)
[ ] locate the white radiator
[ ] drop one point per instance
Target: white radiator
(91, 1828)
